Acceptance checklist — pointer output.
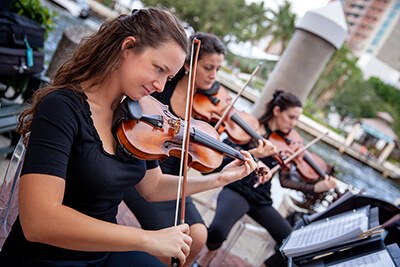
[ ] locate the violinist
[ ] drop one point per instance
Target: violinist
(241, 197)
(73, 180)
(158, 215)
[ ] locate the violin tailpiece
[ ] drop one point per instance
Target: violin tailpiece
(155, 120)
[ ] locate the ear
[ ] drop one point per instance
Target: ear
(186, 66)
(276, 110)
(128, 43)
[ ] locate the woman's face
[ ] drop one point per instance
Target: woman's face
(140, 74)
(287, 119)
(207, 69)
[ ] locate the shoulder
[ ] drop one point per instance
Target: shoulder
(64, 95)
(62, 99)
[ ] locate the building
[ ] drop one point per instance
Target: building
(374, 37)
(376, 134)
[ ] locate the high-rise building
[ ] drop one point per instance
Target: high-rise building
(374, 37)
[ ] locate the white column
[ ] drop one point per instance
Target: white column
(386, 152)
(319, 33)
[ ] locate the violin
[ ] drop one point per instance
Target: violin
(211, 107)
(310, 166)
(149, 131)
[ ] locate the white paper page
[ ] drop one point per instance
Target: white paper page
(327, 233)
(380, 258)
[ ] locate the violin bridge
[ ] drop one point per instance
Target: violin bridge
(176, 124)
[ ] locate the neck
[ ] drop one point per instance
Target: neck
(272, 125)
(182, 85)
(103, 95)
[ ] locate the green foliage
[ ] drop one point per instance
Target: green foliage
(386, 92)
(281, 25)
(34, 10)
(390, 95)
(357, 98)
(108, 2)
(228, 19)
(363, 99)
(341, 68)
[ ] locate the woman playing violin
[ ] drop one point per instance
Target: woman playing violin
(158, 215)
(72, 179)
(241, 197)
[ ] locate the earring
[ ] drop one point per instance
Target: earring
(186, 72)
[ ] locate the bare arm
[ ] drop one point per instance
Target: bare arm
(45, 219)
(156, 186)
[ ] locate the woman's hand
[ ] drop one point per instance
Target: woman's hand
(264, 174)
(326, 184)
(172, 242)
(265, 148)
(237, 169)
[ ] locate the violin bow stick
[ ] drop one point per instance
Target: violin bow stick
(295, 154)
(226, 111)
(186, 138)
(304, 148)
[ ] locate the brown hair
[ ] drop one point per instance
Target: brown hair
(284, 100)
(210, 44)
(98, 55)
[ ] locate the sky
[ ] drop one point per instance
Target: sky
(300, 7)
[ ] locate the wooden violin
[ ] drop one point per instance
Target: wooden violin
(211, 107)
(310, 166)
(150, 132)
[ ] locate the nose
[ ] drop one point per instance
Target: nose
(213, 74)
(159, 84)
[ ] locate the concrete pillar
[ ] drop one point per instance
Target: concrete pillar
(386, 152)
(319, 33)
(70, 40)
(350, 137)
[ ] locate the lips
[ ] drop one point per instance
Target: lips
(146, 91)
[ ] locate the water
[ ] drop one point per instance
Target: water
(349, 170)
(354, 172)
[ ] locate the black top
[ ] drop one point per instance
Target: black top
(65, 143)
(262, 194)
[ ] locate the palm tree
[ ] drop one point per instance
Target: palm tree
(281, 25)
(341, 67)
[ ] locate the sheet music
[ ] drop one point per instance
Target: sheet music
(331, 232)
(380, 258)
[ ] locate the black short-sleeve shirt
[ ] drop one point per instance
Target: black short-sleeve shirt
(64, 143)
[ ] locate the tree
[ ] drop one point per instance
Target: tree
(341, 68)
(390, 95)
(231, 20)
(281, 25)
(357, 98)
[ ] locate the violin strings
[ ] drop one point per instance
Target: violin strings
(211, 142)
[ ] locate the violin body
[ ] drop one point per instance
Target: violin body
(157, 142)
(211, 108)
(310, 166)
